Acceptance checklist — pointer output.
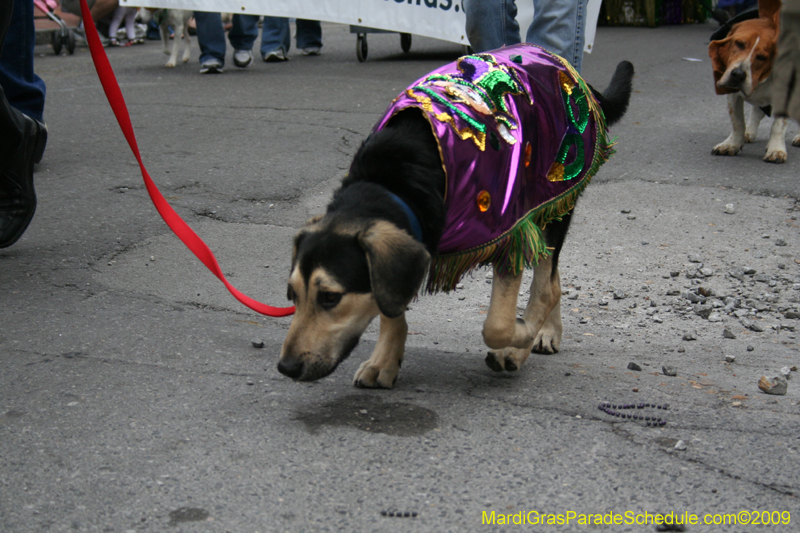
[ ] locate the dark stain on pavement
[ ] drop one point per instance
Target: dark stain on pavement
(371, 413)
(187, 514)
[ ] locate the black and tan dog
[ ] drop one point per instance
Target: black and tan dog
(369, 254)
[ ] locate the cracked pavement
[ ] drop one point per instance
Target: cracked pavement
(133, 399)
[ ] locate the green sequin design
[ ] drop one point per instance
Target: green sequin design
(573, 169)
(452, 107)
(579, 97)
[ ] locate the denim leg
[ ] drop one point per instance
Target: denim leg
(275, 34)
(559, 26)
(491, 23)
(244, 32)
(309, 34)
(210, 36)
(23, 88)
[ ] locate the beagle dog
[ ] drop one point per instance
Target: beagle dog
(428, 196)
(742, 64)
(178, 20)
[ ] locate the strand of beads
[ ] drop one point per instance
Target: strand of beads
(652, 421)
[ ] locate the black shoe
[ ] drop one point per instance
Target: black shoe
(17, 196)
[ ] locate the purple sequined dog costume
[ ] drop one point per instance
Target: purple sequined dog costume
(520, 135)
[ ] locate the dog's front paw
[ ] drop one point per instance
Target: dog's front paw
(726, 149)
(796, 140)
(547, 341)
(370, 376)
(508, 359)
(775, 156)
(170, 64)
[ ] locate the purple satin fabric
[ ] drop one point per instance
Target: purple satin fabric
(499, 168)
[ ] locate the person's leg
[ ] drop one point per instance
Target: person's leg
(210, 36)
(244, 32)
(275, 38)
(130, 24)
(491, 24)
(559, 27)
(22, 139)
(116, 20)
(309, 36)
(23, 88)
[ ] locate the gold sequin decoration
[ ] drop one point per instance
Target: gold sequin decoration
(566, 82)
(478, 137)
(484, 201)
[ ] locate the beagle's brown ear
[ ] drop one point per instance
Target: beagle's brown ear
(718, 52)
(397, 265)
(768, 8)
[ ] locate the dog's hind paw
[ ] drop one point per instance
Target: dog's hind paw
(726, 149)
(776, 156)
(796, 140)
(369, 376)
(508, 359)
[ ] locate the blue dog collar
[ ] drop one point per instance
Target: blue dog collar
(412, 218)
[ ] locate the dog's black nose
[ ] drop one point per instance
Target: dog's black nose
(738, 76)
(291, 368)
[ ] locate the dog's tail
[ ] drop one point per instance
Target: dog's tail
(614, 100)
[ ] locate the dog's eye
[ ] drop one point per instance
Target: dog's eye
(329, 300)
(739, 44)
(761, 57)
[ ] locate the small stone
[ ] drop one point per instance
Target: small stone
(786, 372)
(730, 209)
(737, 404)
(706, 272)
(694, 258)
(634, 366)
(792, 314)
(680, 445)
(490, 275)
(750, 348)
(780, 242)
(631, 217)
(752, 325)
(619, 294)
(669, 370)
(681, 350)
(257, 343)
(730, 358)
(703, 311)
(690, 336)
(715, 317)
(776, 385)
(602, 301)
(674, 273)
(728, 334)
(625, 211)
(694, 298)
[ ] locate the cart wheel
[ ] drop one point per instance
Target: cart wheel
(405, 42)
(361, 47)
(71, 42)
(55, 40)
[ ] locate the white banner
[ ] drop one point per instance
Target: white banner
(440, 19)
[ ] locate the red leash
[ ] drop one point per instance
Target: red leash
(199, 248)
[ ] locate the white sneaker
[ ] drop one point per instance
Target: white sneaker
(312, 51)
(276, 56)
(242, 58)
(211, 66)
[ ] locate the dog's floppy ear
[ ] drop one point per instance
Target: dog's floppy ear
(718, 52)
(397, 265)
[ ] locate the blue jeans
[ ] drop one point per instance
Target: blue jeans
(22, 87)
(275, 34)
(211, 35)
(558, 26)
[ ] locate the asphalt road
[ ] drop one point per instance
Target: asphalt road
(132, 398)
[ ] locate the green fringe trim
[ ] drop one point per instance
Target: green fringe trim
(523, 245)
